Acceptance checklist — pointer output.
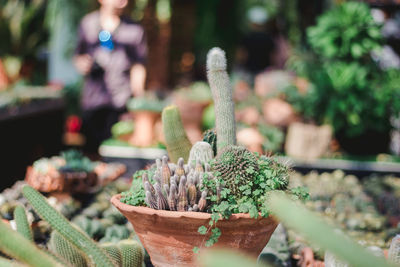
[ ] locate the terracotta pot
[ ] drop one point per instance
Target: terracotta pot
(143, 136)
(170, 236)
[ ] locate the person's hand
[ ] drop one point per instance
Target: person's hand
(83, 63)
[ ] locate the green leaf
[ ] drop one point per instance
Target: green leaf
(202, 230)
(196, 250)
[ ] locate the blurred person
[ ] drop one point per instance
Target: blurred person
(111, 54)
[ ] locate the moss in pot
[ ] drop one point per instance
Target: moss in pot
(178, 209)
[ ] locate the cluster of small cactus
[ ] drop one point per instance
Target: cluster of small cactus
(68, 246)
(123, 253)
(177, 187)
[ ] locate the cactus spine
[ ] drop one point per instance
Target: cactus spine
(178, 144)
(201, 151)
(132, 253)
(222, 94)
(63, 248)
(319, 233)
(22, 223)
(64, 227)
(17, 246)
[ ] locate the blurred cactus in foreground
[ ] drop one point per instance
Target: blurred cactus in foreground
(298, 218)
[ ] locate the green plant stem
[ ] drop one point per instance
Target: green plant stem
(17, 246)
(65, 228)
(315, 230)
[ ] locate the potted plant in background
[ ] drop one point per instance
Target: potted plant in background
(350, 91)
(176, 209)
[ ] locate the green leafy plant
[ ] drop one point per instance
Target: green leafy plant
(345, 32)
(349, 90)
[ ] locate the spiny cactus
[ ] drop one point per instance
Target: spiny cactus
(178, 144)
(210, 136)
(132, 253)
(394, 250)
(115, 233)
(182, 190)
(17, 246)
(319, 233)
(113, 251)
(22, 223)
(65, 228)
(236, 166)
(63, 248)
(222, 94)
(201, 151)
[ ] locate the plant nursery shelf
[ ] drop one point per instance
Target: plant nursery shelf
(358, 168)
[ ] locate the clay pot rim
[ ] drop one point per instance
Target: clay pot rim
(115, 200)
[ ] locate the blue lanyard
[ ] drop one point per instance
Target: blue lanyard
(105, 39)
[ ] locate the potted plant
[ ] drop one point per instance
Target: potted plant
(176, 209)
(351, 89)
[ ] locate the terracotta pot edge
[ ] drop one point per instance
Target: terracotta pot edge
(176, 214)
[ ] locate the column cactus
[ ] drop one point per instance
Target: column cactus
(132, 253)
(22, 223)
(114, 252)
(65, 228)
(222, 94)
(63, 248)
(178, 144)
(18, 247)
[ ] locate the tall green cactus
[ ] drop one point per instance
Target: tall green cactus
(132, 253)
(22, 223)
(65, 228)
(178, 144)
(315, 230)
(63, 248)
(222, 94)
(17, 246)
